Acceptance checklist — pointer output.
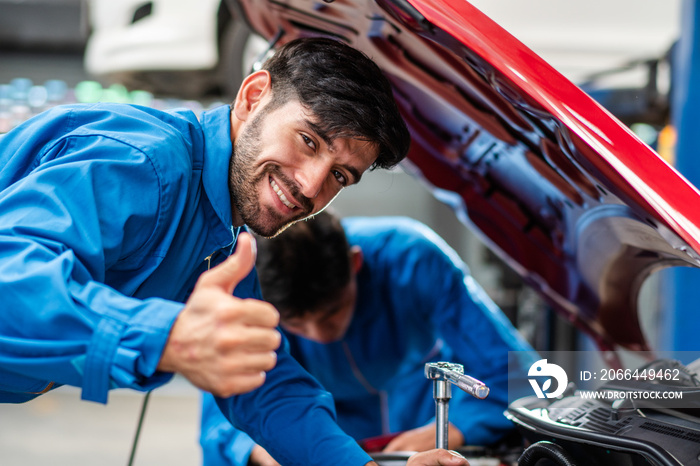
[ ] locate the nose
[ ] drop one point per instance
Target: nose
(311, 176)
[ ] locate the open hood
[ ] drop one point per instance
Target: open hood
(552, 182)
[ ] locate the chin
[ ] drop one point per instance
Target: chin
(269, 229)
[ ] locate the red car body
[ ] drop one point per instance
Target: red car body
(568, 196)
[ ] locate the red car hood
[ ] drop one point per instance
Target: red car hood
(564, 193)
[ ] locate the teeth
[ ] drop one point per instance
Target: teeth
(281, 195)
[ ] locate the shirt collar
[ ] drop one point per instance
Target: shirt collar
(218, 148)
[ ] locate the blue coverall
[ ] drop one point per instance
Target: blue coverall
(416, 303)
(107, 213)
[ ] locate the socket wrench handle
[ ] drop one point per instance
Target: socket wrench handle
(469, 384)
(443, 374)
(455, 374)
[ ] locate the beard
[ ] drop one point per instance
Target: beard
(244, 182)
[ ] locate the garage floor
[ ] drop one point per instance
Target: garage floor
(61, 430)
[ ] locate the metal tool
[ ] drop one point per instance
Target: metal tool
(443, 374)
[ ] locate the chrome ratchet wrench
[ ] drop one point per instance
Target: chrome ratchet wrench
(443, 374)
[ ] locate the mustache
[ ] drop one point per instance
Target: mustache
(292, 188)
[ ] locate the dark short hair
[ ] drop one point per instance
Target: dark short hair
(345, 91)
(305, 266)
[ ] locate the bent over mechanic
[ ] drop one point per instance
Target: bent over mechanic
(365, 305)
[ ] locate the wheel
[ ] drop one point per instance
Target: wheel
(239, 48)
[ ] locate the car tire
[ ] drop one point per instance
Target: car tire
(238, 50)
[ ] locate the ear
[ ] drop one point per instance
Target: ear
(357, 258)
(253, 91)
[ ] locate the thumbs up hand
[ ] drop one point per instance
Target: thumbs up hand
(220, 343)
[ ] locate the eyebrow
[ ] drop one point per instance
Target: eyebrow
(314, 128)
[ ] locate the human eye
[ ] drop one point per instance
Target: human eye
(308, 141)
(340, 177)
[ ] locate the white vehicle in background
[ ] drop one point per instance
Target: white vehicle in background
(180, 48)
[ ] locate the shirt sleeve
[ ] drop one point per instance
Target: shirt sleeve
(479, 335)
(87, 205)
(293, 418)
(222, 444)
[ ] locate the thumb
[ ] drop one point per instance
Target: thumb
(235, 268)
(455, 459)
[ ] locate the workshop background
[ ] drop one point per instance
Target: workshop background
(599, 44)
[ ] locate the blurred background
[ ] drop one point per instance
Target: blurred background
(191, 53)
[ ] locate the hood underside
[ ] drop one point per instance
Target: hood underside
(556, 186)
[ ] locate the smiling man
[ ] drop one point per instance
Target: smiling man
(301, 167)
(122, 253)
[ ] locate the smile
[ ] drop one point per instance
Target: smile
(281, 195)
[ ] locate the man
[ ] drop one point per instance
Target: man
(112, 215)
(365, 305)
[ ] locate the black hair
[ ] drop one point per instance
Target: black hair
(344, 90)
(305, 266)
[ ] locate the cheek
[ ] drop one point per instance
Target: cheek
(339, 324)
(330, 191)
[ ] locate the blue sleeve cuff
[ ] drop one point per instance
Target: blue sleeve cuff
(126, 354)
(147, 333)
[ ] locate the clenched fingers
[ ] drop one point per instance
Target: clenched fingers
(248, 339)
(242, 363)
(252, 312)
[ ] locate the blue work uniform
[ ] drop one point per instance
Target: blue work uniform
(108, 215)
(416, 303)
